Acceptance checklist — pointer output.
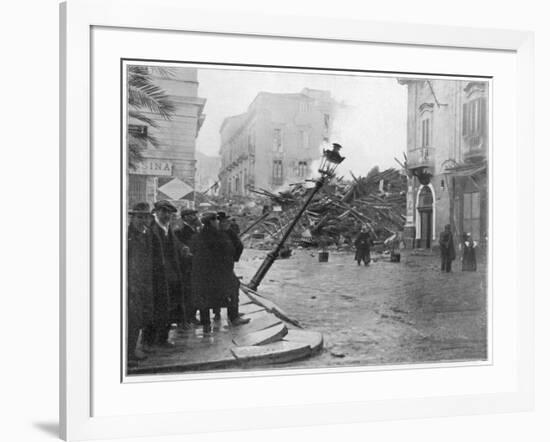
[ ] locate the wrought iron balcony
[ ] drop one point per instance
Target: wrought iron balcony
(475, 148)
(421, 157)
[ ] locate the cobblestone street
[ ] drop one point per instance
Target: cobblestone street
(386, 313)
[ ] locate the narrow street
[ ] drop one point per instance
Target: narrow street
(386, 313)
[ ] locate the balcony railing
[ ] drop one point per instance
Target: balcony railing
(421, 157)
(475, 148)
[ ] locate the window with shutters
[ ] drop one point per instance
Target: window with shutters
(277, 140)
(474, 120)
(471, 212)
(426, 133)
(277, 173)
(304, 135)
(302, 169)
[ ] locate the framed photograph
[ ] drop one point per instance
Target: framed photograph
(296, 220)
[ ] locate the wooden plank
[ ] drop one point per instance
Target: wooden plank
(269, 306)
(262, 322)
(250, 308)
(261, 337)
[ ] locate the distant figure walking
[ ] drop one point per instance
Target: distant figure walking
(469, 263)
(363, 243)
(447, 247)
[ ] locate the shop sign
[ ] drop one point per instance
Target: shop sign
(152, 167)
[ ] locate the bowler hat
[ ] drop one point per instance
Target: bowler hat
(165, 205)
(208, 216)
(185, 212)
(139, 208)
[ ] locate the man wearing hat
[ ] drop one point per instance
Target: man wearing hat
(447, 249)
(212, 279)
(188, 228)
(140, 278)
(167, 279)
(227, 227)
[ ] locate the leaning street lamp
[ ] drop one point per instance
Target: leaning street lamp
(330, 161)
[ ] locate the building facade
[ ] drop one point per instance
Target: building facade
(206, 178)
(275, 142)
(447, 151)
(170, 166)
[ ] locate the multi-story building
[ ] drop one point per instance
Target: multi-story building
(275, 142)
(206, 178)
(171, 165)
(447, 145)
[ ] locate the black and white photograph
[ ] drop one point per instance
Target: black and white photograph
(296, 218)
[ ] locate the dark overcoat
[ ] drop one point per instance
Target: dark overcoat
(212, 277)
(185, 233)
(166, 255)
(447, 246)
(362, 244)
(140, 276)
(238, 246)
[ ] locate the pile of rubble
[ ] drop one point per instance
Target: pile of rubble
(335, 215)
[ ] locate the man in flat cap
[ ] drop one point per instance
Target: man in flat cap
(190, 225)
(140, 278)
(167, 278)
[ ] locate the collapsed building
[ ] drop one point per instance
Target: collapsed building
(335, 215)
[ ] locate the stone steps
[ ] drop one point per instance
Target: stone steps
(266, 340)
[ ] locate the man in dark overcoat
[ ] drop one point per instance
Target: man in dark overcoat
(188, 228)
(226, 226)
(140, 277)
(362, 244)
(212, 279)
(447, 249)
(167, 279)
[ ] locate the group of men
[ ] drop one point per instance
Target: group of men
(173, 272)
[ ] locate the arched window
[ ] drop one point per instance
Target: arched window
(426, 125)
(425, 199)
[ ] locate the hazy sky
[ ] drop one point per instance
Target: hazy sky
(371, 126)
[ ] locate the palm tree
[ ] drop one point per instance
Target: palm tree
(145, 96)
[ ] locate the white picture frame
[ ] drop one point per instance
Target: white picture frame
(79, 418)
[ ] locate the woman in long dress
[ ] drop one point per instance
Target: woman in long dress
(469, 263)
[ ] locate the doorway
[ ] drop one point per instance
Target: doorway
(426, 216)
(425, 213)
